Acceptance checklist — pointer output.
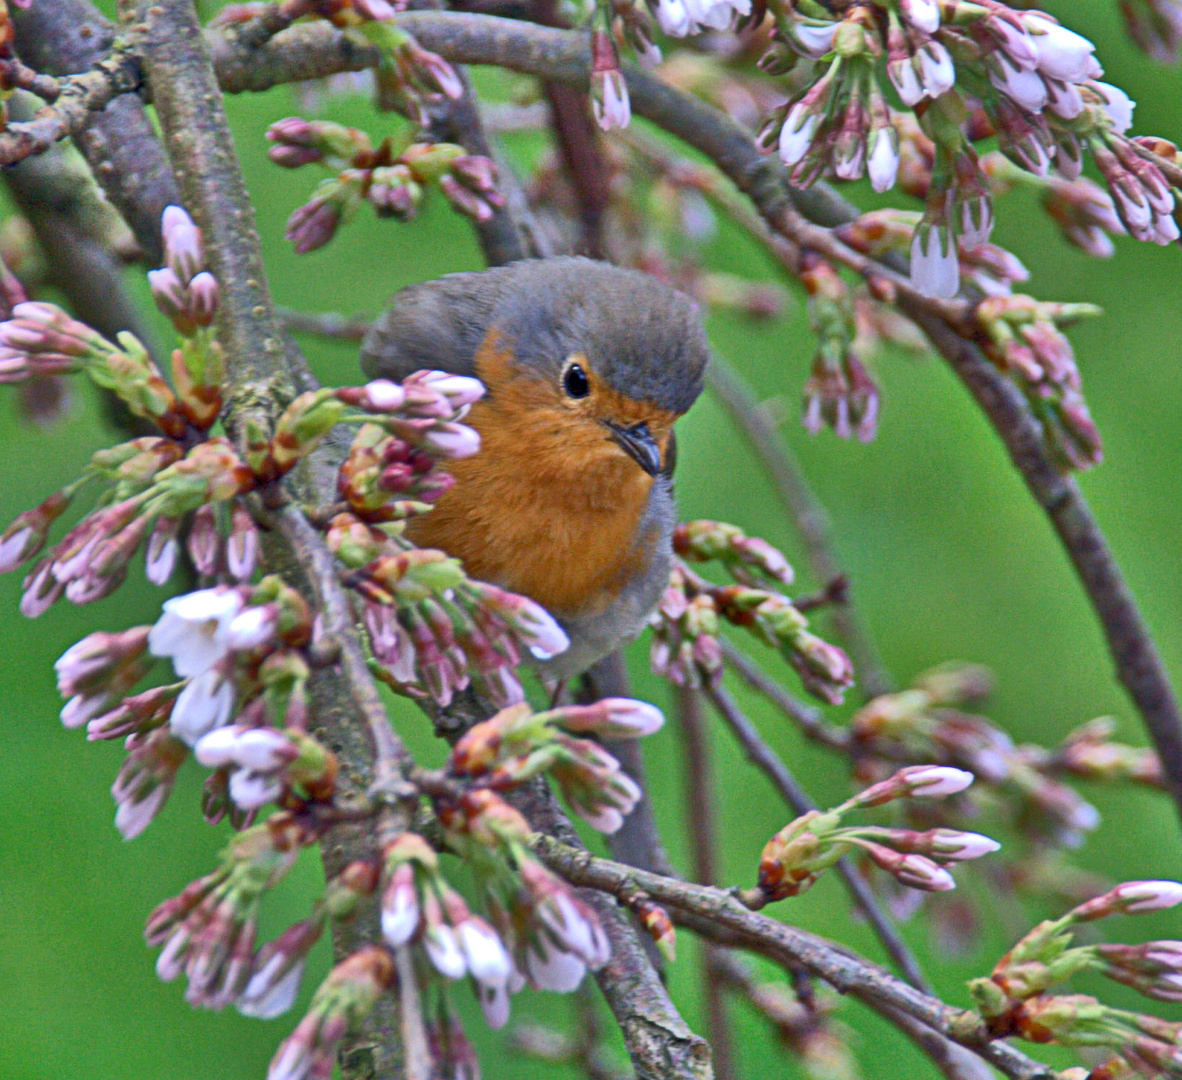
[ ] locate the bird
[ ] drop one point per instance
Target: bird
(569, 501)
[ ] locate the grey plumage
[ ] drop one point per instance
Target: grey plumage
(642, 338)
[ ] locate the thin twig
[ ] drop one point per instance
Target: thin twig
(810, 720)
(785, 783)
(330, 324)
(719, 916)
(120, 144)
(700, 814)
(79, 97)
(804, 511)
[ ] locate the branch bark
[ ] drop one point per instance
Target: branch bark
(701, 815)
(718, 916)
(349, 716)
(119, 144)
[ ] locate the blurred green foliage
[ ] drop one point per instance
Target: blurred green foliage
(948, 557)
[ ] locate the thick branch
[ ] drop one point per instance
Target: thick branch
(189, 106)
(717, 915)
(348, 714)
(120, 144)
(79, 97)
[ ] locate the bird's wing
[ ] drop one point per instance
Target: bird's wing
(435, 325)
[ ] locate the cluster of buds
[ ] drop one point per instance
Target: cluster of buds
(517, 744)
(928, 722)
(988, 267)
(41, 339)
(550, 935)
(238, 653)
(1024, 340)
(1016, 998)
(840, 392)
(1032, 81)
(432, 630)
(687, 620)
(1023, 336)
(1083, 211)
(750, 560)
(798, 853)
(684, 18)
(209, 931)
(419, 908)
(391, 177)
(156, 487)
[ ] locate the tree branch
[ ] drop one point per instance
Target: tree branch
(348, 714)
(119, 143)
(78, 99)
(762, 755)
(717, 915)
(700, 814)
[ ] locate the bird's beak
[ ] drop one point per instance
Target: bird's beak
(638, 443)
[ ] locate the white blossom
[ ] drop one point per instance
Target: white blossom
(1062, 53)
(935, 270)
(250, 790)
(796, 136)
(883, 163)
(1117, 104)
(192, 631)
(204, 704)
(266, 997)
(484, 953)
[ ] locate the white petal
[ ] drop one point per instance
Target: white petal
(132, 818)
(486, 957)
(883, 163)
(443, 949)
(796, 135)
(264, 1000)
(1117, 104)
(204, 704)
(560, 972)
(1062, 53)
(250, 790)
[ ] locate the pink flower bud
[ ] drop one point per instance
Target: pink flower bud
(1131, 898)
(182, 243)
(449, 440)
(400, 906)
(915, 871)
(203, 298)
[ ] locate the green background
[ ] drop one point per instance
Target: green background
(948, 556)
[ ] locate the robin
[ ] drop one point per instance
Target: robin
(570, 499)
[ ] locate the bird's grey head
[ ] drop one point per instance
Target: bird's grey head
(640, 337)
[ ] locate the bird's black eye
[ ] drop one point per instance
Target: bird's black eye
(574, 382)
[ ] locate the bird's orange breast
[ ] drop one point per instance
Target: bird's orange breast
(550, 507)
